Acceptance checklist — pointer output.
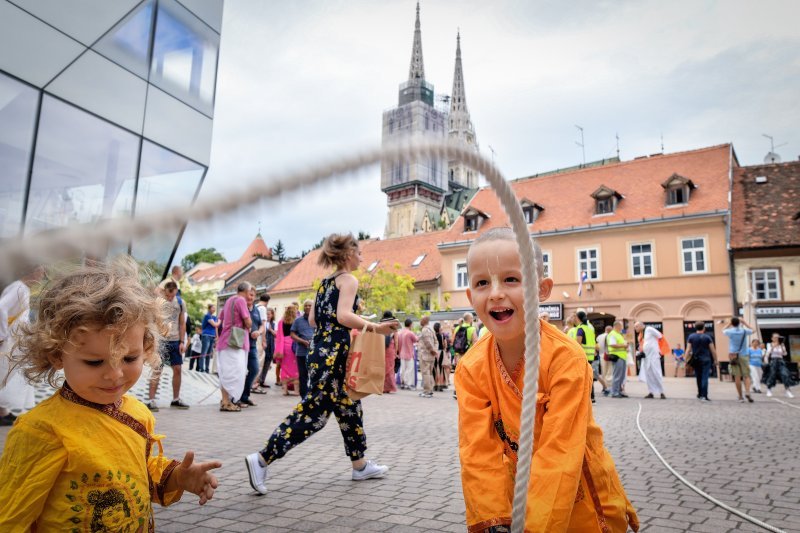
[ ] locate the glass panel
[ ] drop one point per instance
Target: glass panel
(184, 56)
(128, 44)
(17, 120)
(700, 260)
(84, 169)
(165, 180)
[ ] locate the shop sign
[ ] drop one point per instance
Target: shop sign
(556, 311)
(778, 311)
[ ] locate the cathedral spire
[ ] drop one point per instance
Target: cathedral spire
(458, 100)
(417, 68)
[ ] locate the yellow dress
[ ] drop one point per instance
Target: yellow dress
(72, 465)
(574, 485)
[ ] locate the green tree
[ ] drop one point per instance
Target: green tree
(204, 255)
(279, 251)
(196, 303)
(380, 290)
(362, 236)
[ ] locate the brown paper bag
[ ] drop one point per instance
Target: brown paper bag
(366, 365)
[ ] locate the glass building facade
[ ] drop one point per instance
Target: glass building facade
(106, 110)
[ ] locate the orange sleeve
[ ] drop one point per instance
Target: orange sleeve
(485, 478)
(557, 462)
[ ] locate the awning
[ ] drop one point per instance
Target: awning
(779, 322)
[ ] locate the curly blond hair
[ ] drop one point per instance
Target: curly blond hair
(97, 295)
(336, 249)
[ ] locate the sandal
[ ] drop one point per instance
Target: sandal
(258, 391)
(229, 407)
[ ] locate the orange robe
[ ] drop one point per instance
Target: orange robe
(574, 484)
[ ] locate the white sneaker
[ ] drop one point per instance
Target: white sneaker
(258, 473)
(152, 405)
(769, 393)
(371, 470)
(789, 394)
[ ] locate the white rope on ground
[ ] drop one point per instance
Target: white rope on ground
(96, 239)
(699, 491)
(787, 404)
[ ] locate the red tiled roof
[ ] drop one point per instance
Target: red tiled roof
(261, 277)
(402, 251)
(765, 215)
(257, 248)
(567, 203)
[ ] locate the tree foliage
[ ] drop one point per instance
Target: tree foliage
(279, 252)
(381, 290)
(204, 255)
(196, 302)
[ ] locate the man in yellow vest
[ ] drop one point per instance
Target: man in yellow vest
(585, 336)
(618, 353)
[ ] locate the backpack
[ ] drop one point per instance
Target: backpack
(460, 341)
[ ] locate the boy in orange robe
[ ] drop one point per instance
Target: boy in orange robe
(574, 485)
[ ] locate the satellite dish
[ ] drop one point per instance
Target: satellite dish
(771, 158)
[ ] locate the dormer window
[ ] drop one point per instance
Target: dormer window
(677, 190)
(473, 219)
(605, 200)
(530, 210)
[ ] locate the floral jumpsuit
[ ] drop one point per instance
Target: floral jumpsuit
(327, 360)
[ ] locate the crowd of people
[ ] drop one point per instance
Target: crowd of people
(99, 325)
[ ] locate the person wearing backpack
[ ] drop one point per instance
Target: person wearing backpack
(464, 337)
(739, 355)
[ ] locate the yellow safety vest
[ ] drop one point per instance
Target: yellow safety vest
(589, 339)
(617, 338)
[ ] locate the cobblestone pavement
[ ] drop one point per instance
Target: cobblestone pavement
(745, 455)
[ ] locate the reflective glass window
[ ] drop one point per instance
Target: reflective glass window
(184, 56)
(165, 180)
(17, 121)
(83, 171)
(128, 44)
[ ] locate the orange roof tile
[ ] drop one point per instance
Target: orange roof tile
(567, 203)
(766, 214)
(257, 248)
(401, 250)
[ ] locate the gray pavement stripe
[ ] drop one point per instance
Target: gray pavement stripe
(787, 404)
(699, 491)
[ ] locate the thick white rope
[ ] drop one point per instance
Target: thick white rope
(787, 404)
(689, 484)
(96, 239)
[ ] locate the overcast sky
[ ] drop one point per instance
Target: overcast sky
(302, 81)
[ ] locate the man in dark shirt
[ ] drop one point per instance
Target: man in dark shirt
(302, 333)
(702, 354)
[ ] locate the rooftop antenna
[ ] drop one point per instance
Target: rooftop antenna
(583, 149)
(492, 150)
(662, 142)
(771, 156)
(617, 136)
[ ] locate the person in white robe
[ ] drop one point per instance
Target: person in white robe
(650, 368)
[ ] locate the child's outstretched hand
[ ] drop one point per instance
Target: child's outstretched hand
(196, 478)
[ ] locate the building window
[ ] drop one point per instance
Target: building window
(604, 206)
(462, 280)
(18, 103)
(418, 260)
(372, 266)
(530, 214)
(588, 261)
(184, 56)
(425, 301)
(694, 255)
(766, 284)
(642, 260)
(677, 195)
(471, 223)
(546, 263)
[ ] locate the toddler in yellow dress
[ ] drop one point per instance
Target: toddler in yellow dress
(88, 458)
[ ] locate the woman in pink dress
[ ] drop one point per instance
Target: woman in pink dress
(391, 355)
(283, 347)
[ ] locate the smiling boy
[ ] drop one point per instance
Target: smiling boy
(574, 485)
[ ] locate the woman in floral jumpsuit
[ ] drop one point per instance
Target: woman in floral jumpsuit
(333, 316)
